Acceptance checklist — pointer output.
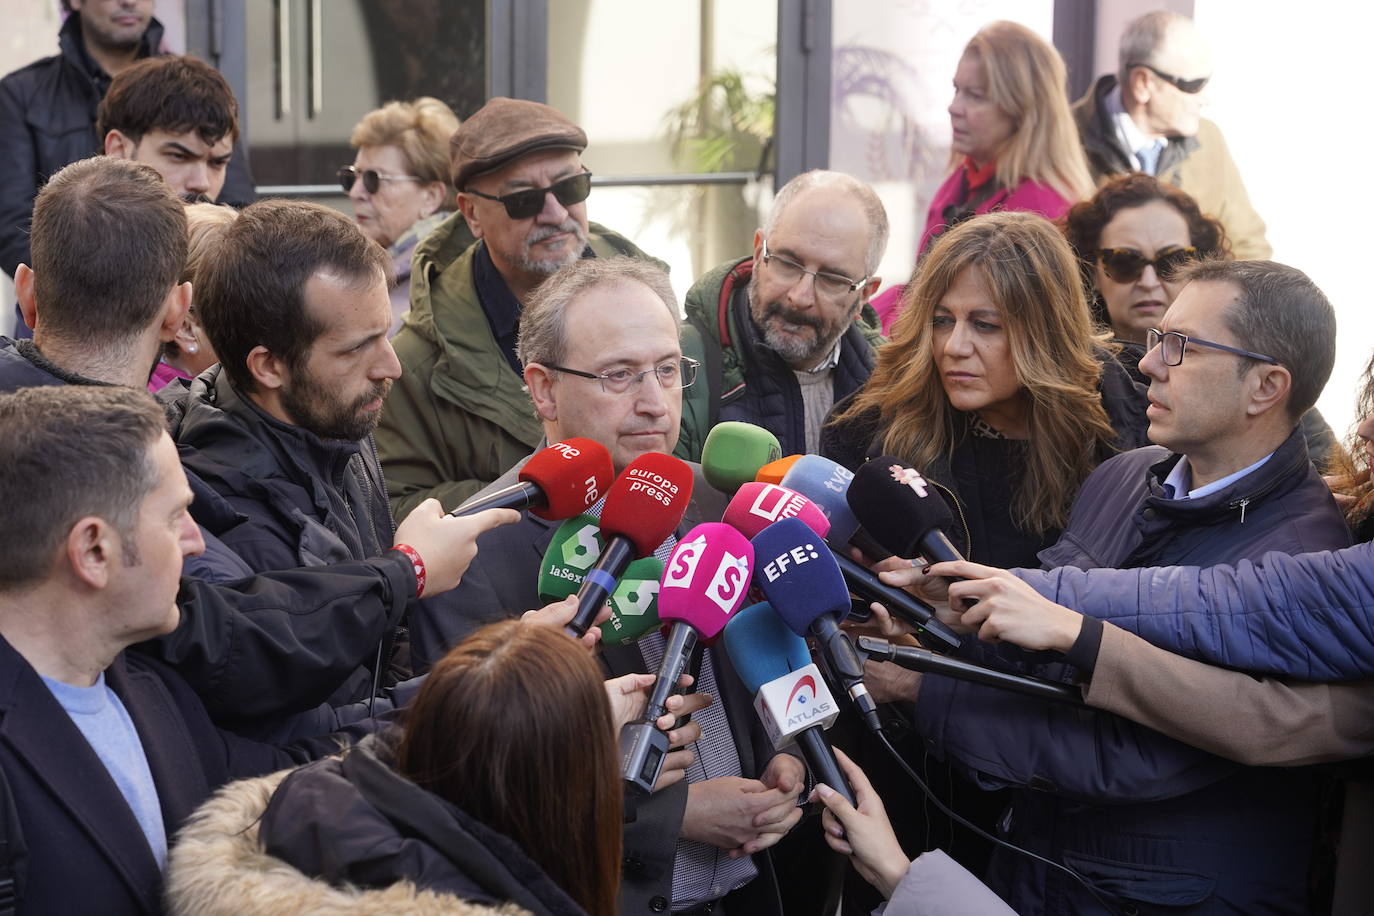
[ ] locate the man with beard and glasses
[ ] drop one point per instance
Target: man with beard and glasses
(296, 304)
(790, 326)
(48, 114)
(460, 416)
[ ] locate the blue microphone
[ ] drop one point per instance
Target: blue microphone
(790, 695)
(825, 483)
(800, 578)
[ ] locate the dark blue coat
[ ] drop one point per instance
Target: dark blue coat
(85, 850)
(1145, 816)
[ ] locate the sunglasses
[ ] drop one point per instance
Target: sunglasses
(1192, 87)
(372, 179)
(529, 202)
(1125, 265)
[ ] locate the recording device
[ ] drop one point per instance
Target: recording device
(790, 695)
(575, 548)
(758, 505)
(644, 505)
(704, 582)
(799, 577)
(774, 471)
(557, 482)
(923, 660)
(734, 452)
(827, 484)
(902, 510)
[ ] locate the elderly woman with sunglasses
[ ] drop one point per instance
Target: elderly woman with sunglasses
(1131, 237)
(398, 182)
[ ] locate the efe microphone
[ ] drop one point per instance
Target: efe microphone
(557, 482)
(705, 581)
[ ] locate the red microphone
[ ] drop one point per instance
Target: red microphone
(758, 505)
(704, 583)
(557, 482)
(644, 505)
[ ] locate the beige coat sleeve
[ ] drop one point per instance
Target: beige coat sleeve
(1257, 721)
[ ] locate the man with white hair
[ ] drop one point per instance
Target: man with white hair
(788, 330)
(1148, 117)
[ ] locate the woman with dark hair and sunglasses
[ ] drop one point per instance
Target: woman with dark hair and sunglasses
(1131, 237)
(502, 787)
(398, 182)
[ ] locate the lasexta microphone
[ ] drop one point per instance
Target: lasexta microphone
(734, 452)
(775, 471)
(557, 482)
(790, 695)
(799, 577)
(704, 582)
(902, 510)
(575, 548)
(643, 507)
(827, 484)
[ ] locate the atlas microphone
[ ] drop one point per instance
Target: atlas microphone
(575, 548)
(799, 577)
(758, 505)
(827, 484)
(644, 505)
(733, 453)
(557, 482)
(790, 695)
(704, 582)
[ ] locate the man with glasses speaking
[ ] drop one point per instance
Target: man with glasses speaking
(788, 331)
(459, 416)
(1147, 118)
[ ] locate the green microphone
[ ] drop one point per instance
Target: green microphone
(734, 452)
(575, 548)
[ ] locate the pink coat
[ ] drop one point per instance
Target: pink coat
(1029, 195)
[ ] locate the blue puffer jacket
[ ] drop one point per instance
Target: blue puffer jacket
(1147, 818)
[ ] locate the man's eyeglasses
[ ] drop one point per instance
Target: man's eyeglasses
(828, 285)
(1172, 344)
(528, 202)
(1192, 86)
(678, 373)
(372, 179)
(1125, 265)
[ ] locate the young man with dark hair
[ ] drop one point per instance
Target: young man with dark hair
(176, 114)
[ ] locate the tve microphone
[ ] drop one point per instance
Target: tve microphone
(790, 695)
(575, 547)
(902, 510)
(799, 577)
(774, 471)
(734, 452)
(758, 505)
(557, 482)
(644, 505)
(826, 484)
(704, 583)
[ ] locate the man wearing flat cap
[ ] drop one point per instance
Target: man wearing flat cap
(459, 416)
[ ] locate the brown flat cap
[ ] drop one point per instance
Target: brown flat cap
(502, 131)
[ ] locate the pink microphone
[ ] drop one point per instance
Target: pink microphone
(758, 505)
(704, 582)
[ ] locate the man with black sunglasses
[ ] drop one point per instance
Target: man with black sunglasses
(459, 415)
(1147, 118)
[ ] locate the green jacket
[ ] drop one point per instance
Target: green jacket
(458, 417)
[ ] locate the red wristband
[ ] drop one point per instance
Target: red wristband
(417, 564)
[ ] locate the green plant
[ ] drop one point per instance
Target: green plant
(724, 126)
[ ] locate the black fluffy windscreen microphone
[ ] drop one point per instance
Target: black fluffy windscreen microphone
(903, 511)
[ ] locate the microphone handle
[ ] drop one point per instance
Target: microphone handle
(868, 545)
(682, 639)
(519, 496)
(820, 757)
(846, 666)
(923, 660)
(936, 548)
(600, 582)
(903, 605)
